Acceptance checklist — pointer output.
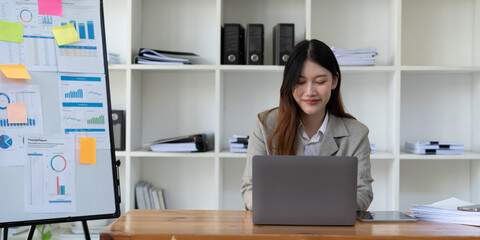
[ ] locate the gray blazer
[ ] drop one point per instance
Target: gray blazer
(344, 137)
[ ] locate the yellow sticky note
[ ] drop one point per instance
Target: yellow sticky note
(15, 71)
(16, 113)
(65, 34)
(88, 150)
(11, 31)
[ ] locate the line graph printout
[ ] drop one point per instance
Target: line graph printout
(83, 106)
(49, 174)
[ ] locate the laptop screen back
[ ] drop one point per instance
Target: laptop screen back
(304, 190)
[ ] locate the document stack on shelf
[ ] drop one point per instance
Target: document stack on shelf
(152, 56)
(372, 146)
(238, 143)
(446, 211)
(439, 148)
(192, 143)
(355, 57)
(148, 197)
(113, 58)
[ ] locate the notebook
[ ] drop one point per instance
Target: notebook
(304, 190)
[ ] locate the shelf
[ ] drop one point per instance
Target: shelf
(466, 156)
(120, 153)
(187, 67)
(150, 154)
(442, 69)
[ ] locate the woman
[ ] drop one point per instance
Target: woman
(310, 119)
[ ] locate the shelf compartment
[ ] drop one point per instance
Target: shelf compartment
(245, 94)
(184, 97)
(358, 24)
(188, 183)
(440, 32)
(425, 182)
(369, 97)
(176, 25)
(269, 13)
(445, 102)
(232, 180)
(115, 24)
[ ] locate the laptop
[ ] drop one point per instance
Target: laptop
(304, 190)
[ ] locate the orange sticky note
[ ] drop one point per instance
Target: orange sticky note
(17, 112)
(15, 71)
(88, 150)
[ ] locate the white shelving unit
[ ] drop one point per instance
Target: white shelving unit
(425, 86)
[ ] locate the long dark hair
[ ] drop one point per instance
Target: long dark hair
(285, 131)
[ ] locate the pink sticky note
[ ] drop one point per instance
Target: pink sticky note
(17, 112)
(50, 7)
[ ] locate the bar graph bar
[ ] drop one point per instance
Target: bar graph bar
(60, 188)
(5, 123)
(81, 30)
(91, 32)
(74, 24)
(74, 94)
(97, 120)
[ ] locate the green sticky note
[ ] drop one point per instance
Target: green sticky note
(65, 34)
(11, 31)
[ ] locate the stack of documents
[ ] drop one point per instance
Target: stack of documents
(238, 143)
(192, 143)
(372, 146)
(148, 197)
(446, 211)
(152, 56)
(113, 58)
(439, 148)
(356, 57)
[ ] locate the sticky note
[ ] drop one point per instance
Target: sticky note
(15, 71)
(11, 31)
(17, 113)
(50, 7)
(65, 34)
(88, 150)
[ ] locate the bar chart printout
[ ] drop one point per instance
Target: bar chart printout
(50, 174)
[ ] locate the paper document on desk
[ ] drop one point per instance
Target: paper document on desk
(446, 211)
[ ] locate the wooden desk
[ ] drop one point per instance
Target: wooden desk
(198, 225)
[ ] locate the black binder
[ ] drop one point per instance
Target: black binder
(202, 142)
(254, 44)
(283, 42)
(118, 122)
(233, 43)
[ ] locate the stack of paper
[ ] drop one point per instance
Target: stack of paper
(191, 143)
(440, 148)
(238, 143)
(356, 57)
(372, 146)
(152, 56)
(148, 197)
(113, 58)
(446, 211)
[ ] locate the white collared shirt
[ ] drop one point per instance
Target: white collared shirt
(312, 145)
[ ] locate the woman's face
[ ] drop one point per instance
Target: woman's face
(313, 89)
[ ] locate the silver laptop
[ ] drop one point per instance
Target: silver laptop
(304, 190)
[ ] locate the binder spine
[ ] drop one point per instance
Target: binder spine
(254, 44)
(283, 42)
(233, 44)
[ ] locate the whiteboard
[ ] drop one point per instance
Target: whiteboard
(42, 178)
